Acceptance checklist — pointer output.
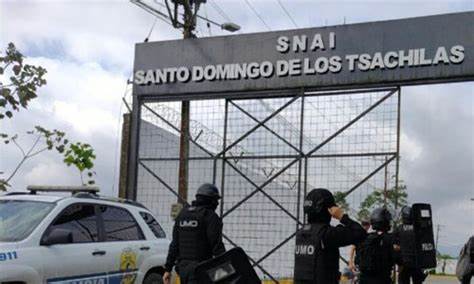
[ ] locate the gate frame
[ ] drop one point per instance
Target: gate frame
(301, 158)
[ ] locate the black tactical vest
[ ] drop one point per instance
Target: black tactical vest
(192, 238)
(313, 262)
(408, 245)
(376, 255)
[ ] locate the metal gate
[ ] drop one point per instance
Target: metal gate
(265, 153)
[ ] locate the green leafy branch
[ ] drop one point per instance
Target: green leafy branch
(81, 156)
(19, 89)
(391, 199)
(340, 198)
(44, 140)
(24, 81)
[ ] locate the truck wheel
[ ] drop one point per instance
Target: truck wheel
(153, 278)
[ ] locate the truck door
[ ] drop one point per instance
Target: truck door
(123, 242)
(81, 259)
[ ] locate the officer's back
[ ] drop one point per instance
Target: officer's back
(377, 252)
(197, 235)
(193, 242)
(317, 243)
(405, 239)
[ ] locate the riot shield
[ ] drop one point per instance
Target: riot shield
(408, 245)
(232, 267)
(424, 237)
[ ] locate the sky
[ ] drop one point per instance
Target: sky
(88, 48)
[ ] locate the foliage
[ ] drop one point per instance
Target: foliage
(444, 258)
(391, 199)
(44, 140)
(82, 157)
(16, 92)
(340, 198)
(23, 82)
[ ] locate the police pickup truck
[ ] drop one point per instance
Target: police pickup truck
(79, 239)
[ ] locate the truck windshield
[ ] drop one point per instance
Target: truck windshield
(18, 218)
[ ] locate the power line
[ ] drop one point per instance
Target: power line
(116, 152)
(159, 14)
(197, 15)
(151, 30)
(207, 24)
(200, 31)
(220, 11)
(258, 15)
(438, 230)
(118, 136)
(287, 13)
(165, 20)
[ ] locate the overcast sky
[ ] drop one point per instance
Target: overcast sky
(88, 46)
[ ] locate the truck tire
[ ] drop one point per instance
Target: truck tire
(153, 278)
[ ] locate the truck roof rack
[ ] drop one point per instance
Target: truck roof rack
(76, 191)
(14, 193)
(109, 198)
(33, 189)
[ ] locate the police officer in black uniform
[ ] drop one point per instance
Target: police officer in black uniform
(353, 256)
(377, 254)
(317, 243)
(405, 238)
(465, 265)
(197, 235)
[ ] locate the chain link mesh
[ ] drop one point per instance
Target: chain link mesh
(265, 154)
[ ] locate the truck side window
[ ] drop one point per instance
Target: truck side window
(119, 225)
(81, 220)
(153, 225)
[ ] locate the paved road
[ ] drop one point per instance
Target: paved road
(442, 280)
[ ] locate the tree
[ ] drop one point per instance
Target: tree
(444, 258)
(340, 198)
(392, 199)
(23, 82)
(44, 140)
(82, 157)
(15, 93)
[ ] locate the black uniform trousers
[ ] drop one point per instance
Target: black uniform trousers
(375, 279)
(185, 270)
(415, 274)
(466, 279)
(184, 242)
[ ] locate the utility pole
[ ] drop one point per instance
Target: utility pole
(191, 8)
(184, 152)
(188, 27)
(385, 187)
(438, 229)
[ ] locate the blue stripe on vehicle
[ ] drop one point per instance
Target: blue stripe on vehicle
(97, 278)
(118, 278)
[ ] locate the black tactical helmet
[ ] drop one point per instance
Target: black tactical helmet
(407, 217)
(318, 200)
(380, 219)
(208, 190)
